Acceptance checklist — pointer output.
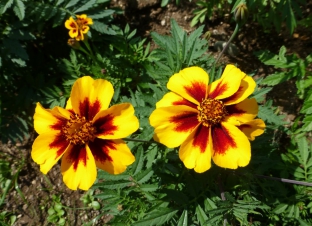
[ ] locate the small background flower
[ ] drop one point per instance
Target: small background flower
(79, 27)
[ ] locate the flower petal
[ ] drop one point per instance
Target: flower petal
(231, 148)
(245, 89)
(253, 128)
(46, 120)
(173, 124)
(113, 156)
(116, 122)
(78, 168)
(47, 149)
(88, 96)
(172, 99)
(71, 24)
(244, 111)
(195, 152)
(227, 85)
(191, 83)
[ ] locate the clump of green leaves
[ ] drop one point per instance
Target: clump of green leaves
(56, 212)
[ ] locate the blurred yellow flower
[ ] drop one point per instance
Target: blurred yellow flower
(79, 27)
(208, 121)
(86, 134)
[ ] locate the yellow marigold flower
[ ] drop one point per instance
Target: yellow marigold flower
(79, 27)
(86, 134)
(208, 121)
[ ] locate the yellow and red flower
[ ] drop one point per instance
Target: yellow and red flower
(79, 27)
(208, 121)
(86, 134)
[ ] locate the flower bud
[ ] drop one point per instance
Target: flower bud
(241, 13)
(73, 43)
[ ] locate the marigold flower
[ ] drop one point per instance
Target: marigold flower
(79, 27)
(208, 121)
(86, 134)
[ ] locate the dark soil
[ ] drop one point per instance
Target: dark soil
(148, 16)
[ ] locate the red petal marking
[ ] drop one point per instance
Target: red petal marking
(89, 110)
(197, 90)
(77, 154)
(59, 143)
(73, 25)
(201, 138)
(185, 121)
(185, 102)
(221, 139)
(220, 88)
(233, 110)
(100, 149)
(105, 126)
(59, 124)
(234, 96)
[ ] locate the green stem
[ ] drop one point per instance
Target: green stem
(230, 40)
(139, 140)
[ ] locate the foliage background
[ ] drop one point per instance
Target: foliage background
(37, 65)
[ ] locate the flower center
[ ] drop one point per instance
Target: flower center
(211, 112)
(78, 130)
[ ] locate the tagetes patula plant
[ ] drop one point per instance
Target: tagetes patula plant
(86, 134)
(208, 120)
(79, 27)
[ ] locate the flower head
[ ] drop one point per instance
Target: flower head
(86, 134)
(208, 121)
(79, 27)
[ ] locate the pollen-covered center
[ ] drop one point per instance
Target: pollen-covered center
(78, 130)
(211, 112)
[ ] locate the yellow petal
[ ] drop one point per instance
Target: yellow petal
(227, 85)
(116, 122)
(231, 147)
(172, 99)
(46, 120)
(244, 111)
(113, 156)
(68, 104)
(196, 151)
(47, 149)
(173, 124)
(190, 83)
(253, 128)
(71, 24)
(245, 89)
(88, 96)
(78, 168)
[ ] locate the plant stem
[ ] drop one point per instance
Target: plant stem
(286, 180)
(228, 43)
(222, 197)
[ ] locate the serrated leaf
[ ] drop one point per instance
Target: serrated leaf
(161, 216)
(86, 6)
(138, 164)
(307, 123)
(71, 3)
(102, 28)
(201, 215)
(304, 150)
(19, 9)
(183, 220)
(307, 107)
(276, 78)
(7, 5)
(144, 176)
(149, 187)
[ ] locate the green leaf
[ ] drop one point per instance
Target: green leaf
(71, 3)
(201, 215)
(159, 217)
(183, 220)
(138, 164)
(280, 208)
(307, 123)
(307, 107)
(7, 5)
(19, 9)
(304, 150)
(144, 176)
(86, 6)
(276, 78)
(149, 187)
(102, 28)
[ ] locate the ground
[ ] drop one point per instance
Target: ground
(147, 16)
